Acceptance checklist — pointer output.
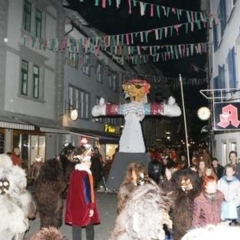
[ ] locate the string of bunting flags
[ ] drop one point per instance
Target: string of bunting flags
(154, 9)
(111, 40)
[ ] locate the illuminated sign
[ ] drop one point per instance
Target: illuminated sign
(111, 129)
(226, 116)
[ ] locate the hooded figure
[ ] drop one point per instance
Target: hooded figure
(81, 208)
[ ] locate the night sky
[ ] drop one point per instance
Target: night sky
(113, 20)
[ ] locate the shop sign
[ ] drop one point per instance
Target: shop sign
(227, 116)
(110, 129)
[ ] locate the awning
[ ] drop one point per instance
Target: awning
(54, 130)
(13, 123)
(24, 122)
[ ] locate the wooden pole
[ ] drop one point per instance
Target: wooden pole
(184, 118)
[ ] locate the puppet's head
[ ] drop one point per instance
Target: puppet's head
(187, 182)
(137, 90)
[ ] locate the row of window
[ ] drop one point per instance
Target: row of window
(220, 80)
(32, 19)
(224, 12)
(30, 80)
(113, 77)
(80, 100)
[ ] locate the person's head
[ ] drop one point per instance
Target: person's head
(214, 162)
(209, 187)
(201, 165)
(230, 171)
(165, 160)
(194, 159)
(209, 171)
(38, 158)
(233, 157)
(136, 172)
(96, 150)
(16, 151)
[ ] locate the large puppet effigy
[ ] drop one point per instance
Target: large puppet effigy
(131, 145)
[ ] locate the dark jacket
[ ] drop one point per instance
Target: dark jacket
(218, 170)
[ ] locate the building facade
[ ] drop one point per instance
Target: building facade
(31, 80)
(224, 73)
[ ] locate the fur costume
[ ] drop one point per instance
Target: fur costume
(50, 233)
(144, 215)
(49, 187)
(188, 186)
(16, 202)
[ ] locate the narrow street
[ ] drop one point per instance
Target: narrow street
(107, 207)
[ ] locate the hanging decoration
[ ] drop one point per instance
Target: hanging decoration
(155, 9)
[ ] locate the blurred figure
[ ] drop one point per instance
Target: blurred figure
(155, 170)
(50, 233)
(201, 167)
(213, 232)
(144, 214)
(233, 157)
(218, 169)
(136, 175)
(36, 167)
(207, 206)
(229, 185)
(167, 183)
(16, 157)
(210, 172)
(96, 167)
(49, 186)
(204, 155)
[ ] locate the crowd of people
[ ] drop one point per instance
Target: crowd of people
(168, 199)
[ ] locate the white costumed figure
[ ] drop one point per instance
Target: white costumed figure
(16, 203)
(131, 140)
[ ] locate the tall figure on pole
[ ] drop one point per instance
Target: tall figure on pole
(131, 145)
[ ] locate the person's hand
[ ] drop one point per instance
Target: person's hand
(91, 212)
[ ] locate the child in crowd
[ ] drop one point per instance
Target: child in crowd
(229, 185)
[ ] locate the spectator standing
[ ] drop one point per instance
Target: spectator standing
(36, 167)
(204, 155)
(16, 157)
(218, 169)
(155, 170)
(96, 167)
(81, 209)
(234, 162)
(207, 206)
(229, 185)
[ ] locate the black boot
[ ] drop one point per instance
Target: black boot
(233, 223)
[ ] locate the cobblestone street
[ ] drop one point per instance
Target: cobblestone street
(107, 207)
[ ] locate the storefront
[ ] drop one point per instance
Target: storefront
(32, 139)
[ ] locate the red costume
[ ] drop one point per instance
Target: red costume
(81, 200)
